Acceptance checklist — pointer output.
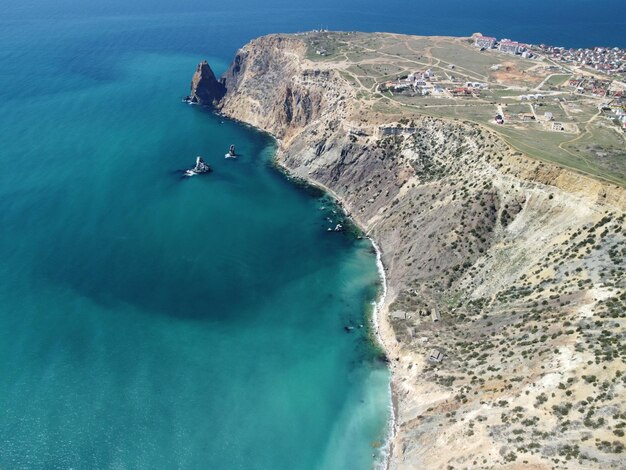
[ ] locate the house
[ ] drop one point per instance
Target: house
(435, 355)
(526, 117)
(485, 42)
(476, 85)
(548, 116)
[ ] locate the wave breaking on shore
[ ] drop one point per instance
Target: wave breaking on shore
(379, 304)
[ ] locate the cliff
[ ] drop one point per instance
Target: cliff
(522, 262)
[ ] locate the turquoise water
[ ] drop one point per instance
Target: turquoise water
(152, 322)
(149, 321)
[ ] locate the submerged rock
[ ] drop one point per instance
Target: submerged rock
(206, 90)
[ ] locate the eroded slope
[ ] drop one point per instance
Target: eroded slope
(521, 262)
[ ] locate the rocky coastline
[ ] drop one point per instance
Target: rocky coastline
(486, 260)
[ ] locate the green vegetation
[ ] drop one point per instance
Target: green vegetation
(590, 143)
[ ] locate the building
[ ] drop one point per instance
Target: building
(434, 314)
(476, 85)
(485, 42)
(510, 47)
(401, 86)
(435, 356)
(548, 116)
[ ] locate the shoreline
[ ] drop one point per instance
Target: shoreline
(386, 449)
(514, 214)
(379, 304)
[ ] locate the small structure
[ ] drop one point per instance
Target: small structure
(435, 355)
(558, 126)
(476, 85)
(548, 116)
(434, 314)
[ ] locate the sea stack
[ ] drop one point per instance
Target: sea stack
(206, 90)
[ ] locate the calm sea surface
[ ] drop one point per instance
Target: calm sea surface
(148, 321)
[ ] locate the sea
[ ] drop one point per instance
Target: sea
(153, 321)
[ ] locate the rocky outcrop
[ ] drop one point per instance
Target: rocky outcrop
(206, 90)
(269, 90)
(523, 261)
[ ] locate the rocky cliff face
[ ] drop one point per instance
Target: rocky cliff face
(262, 96)
(524, 262)
(206, 90)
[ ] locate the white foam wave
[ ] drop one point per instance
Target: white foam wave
(385, 450)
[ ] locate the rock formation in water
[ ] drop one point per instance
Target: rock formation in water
(206, 90)
(201, 166)
(520, 263)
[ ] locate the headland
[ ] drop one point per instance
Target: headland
(493, 185)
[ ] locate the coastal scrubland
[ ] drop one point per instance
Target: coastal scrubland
(504, 246)
(368, 61)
